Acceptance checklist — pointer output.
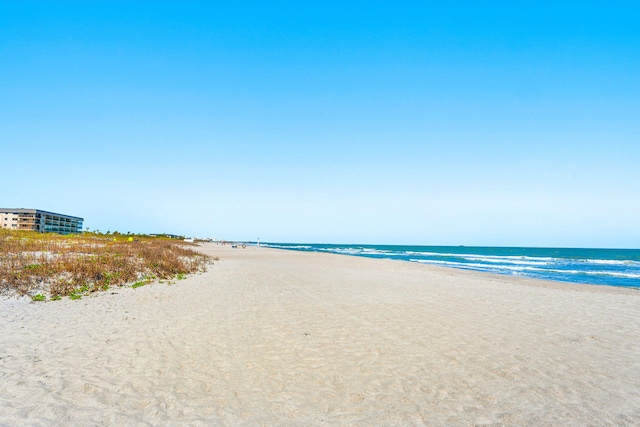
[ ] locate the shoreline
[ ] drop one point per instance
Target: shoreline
(281, 337)
(544, 283)
(499, 263)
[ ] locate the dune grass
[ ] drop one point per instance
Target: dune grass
(75, 265)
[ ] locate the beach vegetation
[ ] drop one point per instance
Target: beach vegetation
(39, 297)
(138, 284)
(79, 264)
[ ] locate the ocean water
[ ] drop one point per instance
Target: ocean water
(613, 267)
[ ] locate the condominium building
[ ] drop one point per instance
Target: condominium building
(37, 220)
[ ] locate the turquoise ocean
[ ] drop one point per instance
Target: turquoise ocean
(613, 267)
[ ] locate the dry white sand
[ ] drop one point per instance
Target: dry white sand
(271, 337)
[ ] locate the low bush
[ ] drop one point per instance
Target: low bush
(75, 265)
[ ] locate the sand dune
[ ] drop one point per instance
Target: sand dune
(271, 337)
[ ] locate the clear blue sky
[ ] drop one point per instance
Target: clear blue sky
(475, 123)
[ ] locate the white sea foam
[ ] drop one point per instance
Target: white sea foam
(360, 251)
(378, 251)
(500, 258)
(626, 262)
(601, 273)
(469, 265)
(275, 246)
(512, 268)
(345, 251)
(527, 260)
(595, 273)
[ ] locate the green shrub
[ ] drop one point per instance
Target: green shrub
(78, 264)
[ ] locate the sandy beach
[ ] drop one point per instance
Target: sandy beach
(269, 337)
